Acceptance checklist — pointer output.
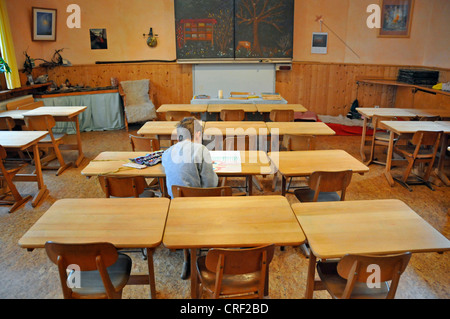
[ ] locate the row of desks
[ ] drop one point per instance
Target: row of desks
(332, 229)
(217, 108)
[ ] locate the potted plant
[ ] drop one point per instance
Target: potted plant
(4, 67)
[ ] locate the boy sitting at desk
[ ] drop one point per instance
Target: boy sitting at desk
(188, 163)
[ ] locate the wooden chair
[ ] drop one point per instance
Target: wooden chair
(353, 276)
(282, 115)
(7, 123)
(324, 187)
(422, 149)
(232, 115)
(137, 100)
(379, 138)
(235, 272)
(8, 171)
(103, 272)
(177, 115)
(47, 123)
(185, 191)
(144, 144)
(122, 186)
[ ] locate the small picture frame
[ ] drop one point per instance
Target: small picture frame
(44, 24)
(99, 40)
(319, 43)
(396, 18)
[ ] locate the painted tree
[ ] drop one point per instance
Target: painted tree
(255, 12)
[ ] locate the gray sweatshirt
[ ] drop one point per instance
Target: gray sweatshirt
(188, 164)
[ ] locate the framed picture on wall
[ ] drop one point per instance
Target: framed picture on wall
(44, 24)
(396, 18)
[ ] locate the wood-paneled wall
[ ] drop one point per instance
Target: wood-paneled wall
(324, 88)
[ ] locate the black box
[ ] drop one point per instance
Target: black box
(418, 76)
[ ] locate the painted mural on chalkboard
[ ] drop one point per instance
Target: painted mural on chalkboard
(264, 28)
(204, 29)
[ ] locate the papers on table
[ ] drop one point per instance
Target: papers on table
(226, 161)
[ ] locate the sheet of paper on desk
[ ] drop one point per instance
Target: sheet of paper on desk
(226, 161)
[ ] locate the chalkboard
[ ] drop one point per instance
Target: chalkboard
(234, 30)
(242, 77)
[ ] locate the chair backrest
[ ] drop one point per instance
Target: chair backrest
(17, 105)
(300, 142)
(232, 115)
(239, 262)
(136, 92)
(7, 123)
(282, 115)
(426, 138)
(3, 153)
(177, 115)
(330, 182)
(122, 186)
(40, 122)
(184, 191)
(87, 256)
(144, 144)
(237, 143)
(360, 268)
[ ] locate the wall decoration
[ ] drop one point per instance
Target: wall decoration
(98, 39)
(319, 43)
(204, 29)
(264, 29)
(396, 18)
(44, 24)
(234, 29)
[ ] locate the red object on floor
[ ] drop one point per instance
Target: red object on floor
(343, 130)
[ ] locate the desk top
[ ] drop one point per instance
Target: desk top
(300, 128)
(199, 108)
(158, 128)
(304, 163)
(266, 108)
(231, 221)
(14, 114)
(240, 101)
(124, 222)
(57, 111)
(409, 127)
(246, 127)
(334, 229)
(20, 139)
(216, 108)
(389, 112)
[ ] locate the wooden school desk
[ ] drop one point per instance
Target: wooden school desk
(304, 163)
(193, 108)
(299, 128)
(406, 127)
(65, 114)
(111, 163)
(124, 222)
(20, 141)
(377, 227)
(267, 108)
(209, 222)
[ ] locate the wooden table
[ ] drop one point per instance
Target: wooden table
(61, 114)
(304, 163)
(193, 108)
(111, 163)
(299, 128)
(209, 222)
(267, 108)
(124, 222)
(407, 127)
(20, 141)
(378, 227)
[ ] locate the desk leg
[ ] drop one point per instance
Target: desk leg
(151, 272)
(311, 275)
(40, 180)
(387, 171)
(441, 165)
(194, 276)
(283, 185)
(80, 149)
(363, 140)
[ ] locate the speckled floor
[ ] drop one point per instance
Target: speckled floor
(29, 275)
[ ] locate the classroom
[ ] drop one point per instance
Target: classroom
(225, 149)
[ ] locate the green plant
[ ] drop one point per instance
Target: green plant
(4, 67)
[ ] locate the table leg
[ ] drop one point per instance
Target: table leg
(363, 140)
(387, 171)
(40, 180)
(441, 164)
(79, 146)
(283, 185)
(194, 276)
(311, 275)
(151, 272)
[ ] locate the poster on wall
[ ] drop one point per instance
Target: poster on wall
(98, 38)
(44, 24)
(319, 43)
(396, 18)
(264, 29)
(204, 29)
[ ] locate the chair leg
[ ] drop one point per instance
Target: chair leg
(186, 264)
